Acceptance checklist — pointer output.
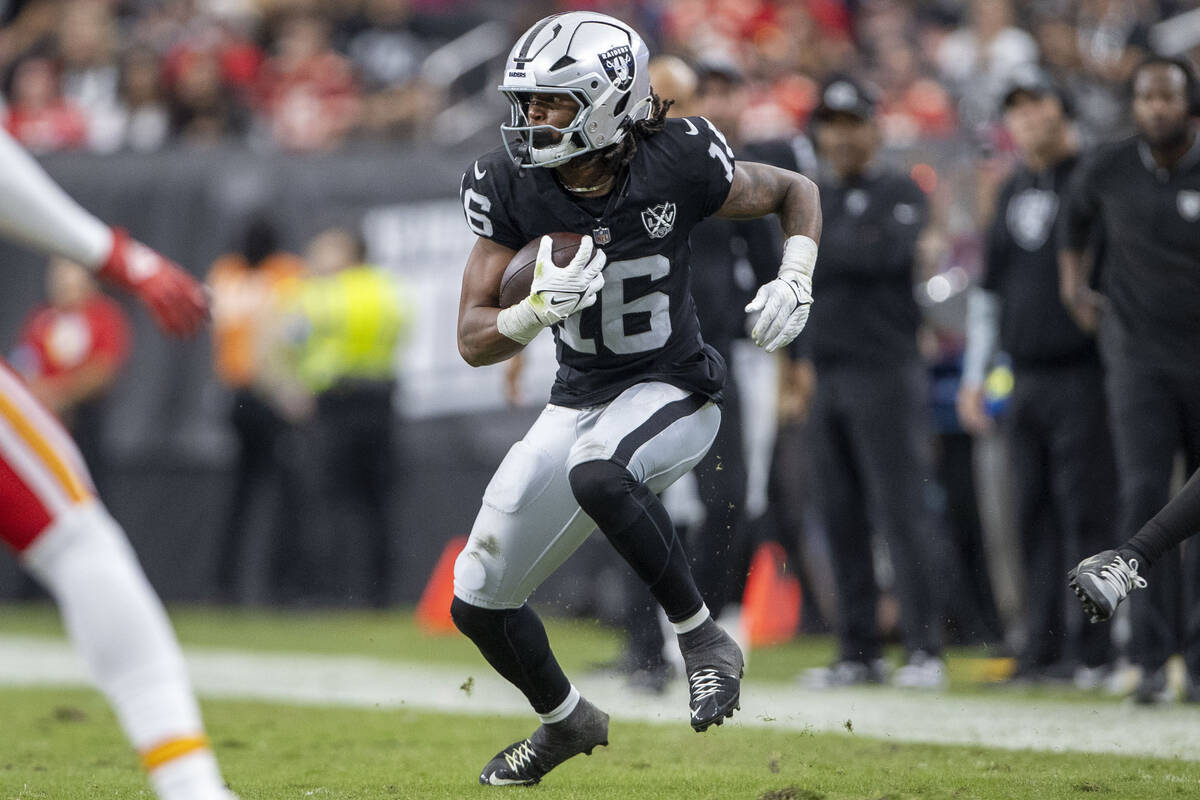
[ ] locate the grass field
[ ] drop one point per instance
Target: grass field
(63, 743)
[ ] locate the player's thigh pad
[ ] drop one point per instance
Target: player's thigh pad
(528, 523)
(42, 474)
(655, 430)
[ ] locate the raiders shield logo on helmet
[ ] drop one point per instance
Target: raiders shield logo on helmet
(1188, 202)
(618, 66)
(659, 220)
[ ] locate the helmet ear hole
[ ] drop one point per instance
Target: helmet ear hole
(595, 84)
(619, 108)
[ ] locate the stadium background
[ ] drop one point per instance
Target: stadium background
(365, 113)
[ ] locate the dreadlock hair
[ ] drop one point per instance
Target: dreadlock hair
(616, 157)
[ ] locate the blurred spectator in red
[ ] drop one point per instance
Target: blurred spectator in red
(145, 118)
(228, 39)
(87, 47)
(38, 116)
(975, 59)
(912, 104)
(71, 352)
(204, 109)
(307, 91)
(388, 55)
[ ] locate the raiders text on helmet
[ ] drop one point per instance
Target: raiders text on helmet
(597, 60)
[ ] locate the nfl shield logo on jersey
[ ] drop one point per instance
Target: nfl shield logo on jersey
(618, 65)
(1188, 202)
(659, 220)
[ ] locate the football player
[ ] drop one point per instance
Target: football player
(636, 401)
(1102, 581)
(50, 515)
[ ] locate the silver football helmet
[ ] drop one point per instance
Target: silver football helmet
(597, 60)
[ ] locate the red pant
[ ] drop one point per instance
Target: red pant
(42, 473)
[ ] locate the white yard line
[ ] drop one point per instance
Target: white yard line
(1012, 723)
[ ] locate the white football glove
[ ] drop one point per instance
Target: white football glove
(783, 304)
(556, 292)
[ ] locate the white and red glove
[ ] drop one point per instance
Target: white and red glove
(175, 299)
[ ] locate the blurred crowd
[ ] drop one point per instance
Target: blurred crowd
(303, 75)
(110, 75)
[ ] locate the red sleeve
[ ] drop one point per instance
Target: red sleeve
(110, 331)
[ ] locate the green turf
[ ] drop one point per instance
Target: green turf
(394, 635)
(64, 745)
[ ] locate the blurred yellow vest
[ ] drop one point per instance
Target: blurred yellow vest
(352, 322)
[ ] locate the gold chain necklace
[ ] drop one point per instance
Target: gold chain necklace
(585, 189)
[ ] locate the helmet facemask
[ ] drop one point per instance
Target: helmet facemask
(535, 145)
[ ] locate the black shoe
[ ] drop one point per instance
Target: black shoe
(524, 763)
(1102, 581)
(713, 663)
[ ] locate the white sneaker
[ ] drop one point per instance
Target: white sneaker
(922, 671)
(845, 673)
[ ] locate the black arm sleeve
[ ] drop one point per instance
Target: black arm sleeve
(1082, 207)
(1177, 520)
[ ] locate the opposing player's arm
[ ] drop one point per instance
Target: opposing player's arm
(479, 340)
(760, 189)
(37, 213)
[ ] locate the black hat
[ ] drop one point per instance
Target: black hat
(844, 95)
(1030, 79)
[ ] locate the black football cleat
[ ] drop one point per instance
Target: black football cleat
(713, 663)
(524, 763)
(1102, 581)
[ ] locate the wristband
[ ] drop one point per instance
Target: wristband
(799, 261)
(519, 322)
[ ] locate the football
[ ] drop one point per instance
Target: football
(518, 275)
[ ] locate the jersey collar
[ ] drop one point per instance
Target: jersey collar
(1191, 157)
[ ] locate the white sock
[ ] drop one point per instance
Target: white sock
(692, 622)
(120, 628)
(191, 777)
(564, 708)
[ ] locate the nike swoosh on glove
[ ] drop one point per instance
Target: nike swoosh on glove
(175, 299)
(783, 305)
(558, 292)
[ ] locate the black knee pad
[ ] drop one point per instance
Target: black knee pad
(473, 621)
(607, 492)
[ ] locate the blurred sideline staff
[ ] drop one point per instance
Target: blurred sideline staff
(343, 326)
(870, 437)
(1145, 192)
(1059, 449)
(71, 352)
(249, 288)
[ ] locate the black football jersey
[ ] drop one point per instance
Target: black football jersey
(643, 326)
